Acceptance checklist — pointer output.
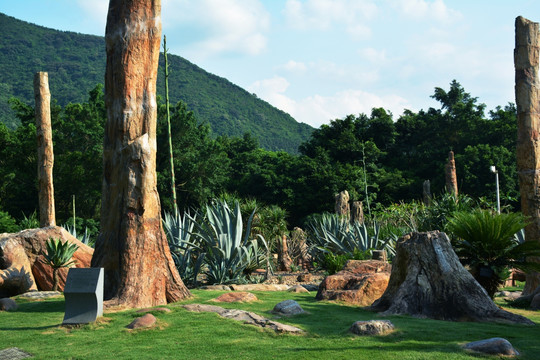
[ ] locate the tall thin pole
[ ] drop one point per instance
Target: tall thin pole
(173, 185)
(497, 189)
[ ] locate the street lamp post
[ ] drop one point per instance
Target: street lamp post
(493, 169)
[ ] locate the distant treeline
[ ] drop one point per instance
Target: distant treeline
(389, 157)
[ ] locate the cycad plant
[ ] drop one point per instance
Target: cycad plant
(487, 244)
(59, 255)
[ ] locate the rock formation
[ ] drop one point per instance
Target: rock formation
(361, 282)
(526, 62)
(26, 248)
(132, 247)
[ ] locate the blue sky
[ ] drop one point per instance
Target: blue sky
(320, 60)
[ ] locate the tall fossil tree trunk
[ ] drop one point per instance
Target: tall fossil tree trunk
(526, 62)
(45, 159)
(132, 247)
(451, 177)
(357, 212)
(342, 204)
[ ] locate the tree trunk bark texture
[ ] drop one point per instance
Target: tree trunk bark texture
(342, 204)
(451, 177)
(428, 281)
(284, 260)
(132, 247)
(45, 159)
(526, 62)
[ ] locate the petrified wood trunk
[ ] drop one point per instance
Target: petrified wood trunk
(427, 280)
(357, 212)
(526, 61)
(426, 192)
(451, 177)
(45, 159)
(342, 204)
(284, 260)
(132, 247)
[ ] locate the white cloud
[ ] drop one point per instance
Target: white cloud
(373, 55)
(228, 26)
(422, 9)
(317, 109)
(323, 14)
(295, 66)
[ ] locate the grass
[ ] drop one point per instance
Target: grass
(36, 328)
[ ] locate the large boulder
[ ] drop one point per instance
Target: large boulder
(15, 269)
(361, 282)
(34, 243)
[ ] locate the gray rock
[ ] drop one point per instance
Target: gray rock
(40, 294)
(7, 304)
(311, 287)
(288, 308)
(260, 287)
(493, 346)
(298, 289)
(372, 327)
(244, 316)
(535, 303)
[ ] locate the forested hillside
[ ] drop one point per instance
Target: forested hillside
(76, 63)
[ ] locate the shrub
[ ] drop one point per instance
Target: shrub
(7, 223)
(58, 256)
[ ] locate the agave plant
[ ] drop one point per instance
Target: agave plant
(334, 234)
(84, 238)
(186, 252)
(488, 244)
(59, 255)
(229, 249)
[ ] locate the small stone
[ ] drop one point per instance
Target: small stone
(144, 321)
(7, 304)
(240, 296)
(288, 308)
(493, 346)
(216, 287)
(160, 309)
(372, 327)
(298, 289)
(535, 303)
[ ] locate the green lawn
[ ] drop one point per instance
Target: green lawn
(35, 328)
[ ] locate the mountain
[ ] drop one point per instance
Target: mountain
(76, 63)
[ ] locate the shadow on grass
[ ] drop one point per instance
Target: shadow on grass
(41, 306)
(29, 328)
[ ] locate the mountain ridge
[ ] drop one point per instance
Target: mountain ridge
(76, 64)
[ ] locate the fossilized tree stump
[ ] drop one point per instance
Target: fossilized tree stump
(451, 177)
(342, 204)
(526, 62)
(427, 280)
(45, 159)
(284, 260)
(357, 212)
(132, 247)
